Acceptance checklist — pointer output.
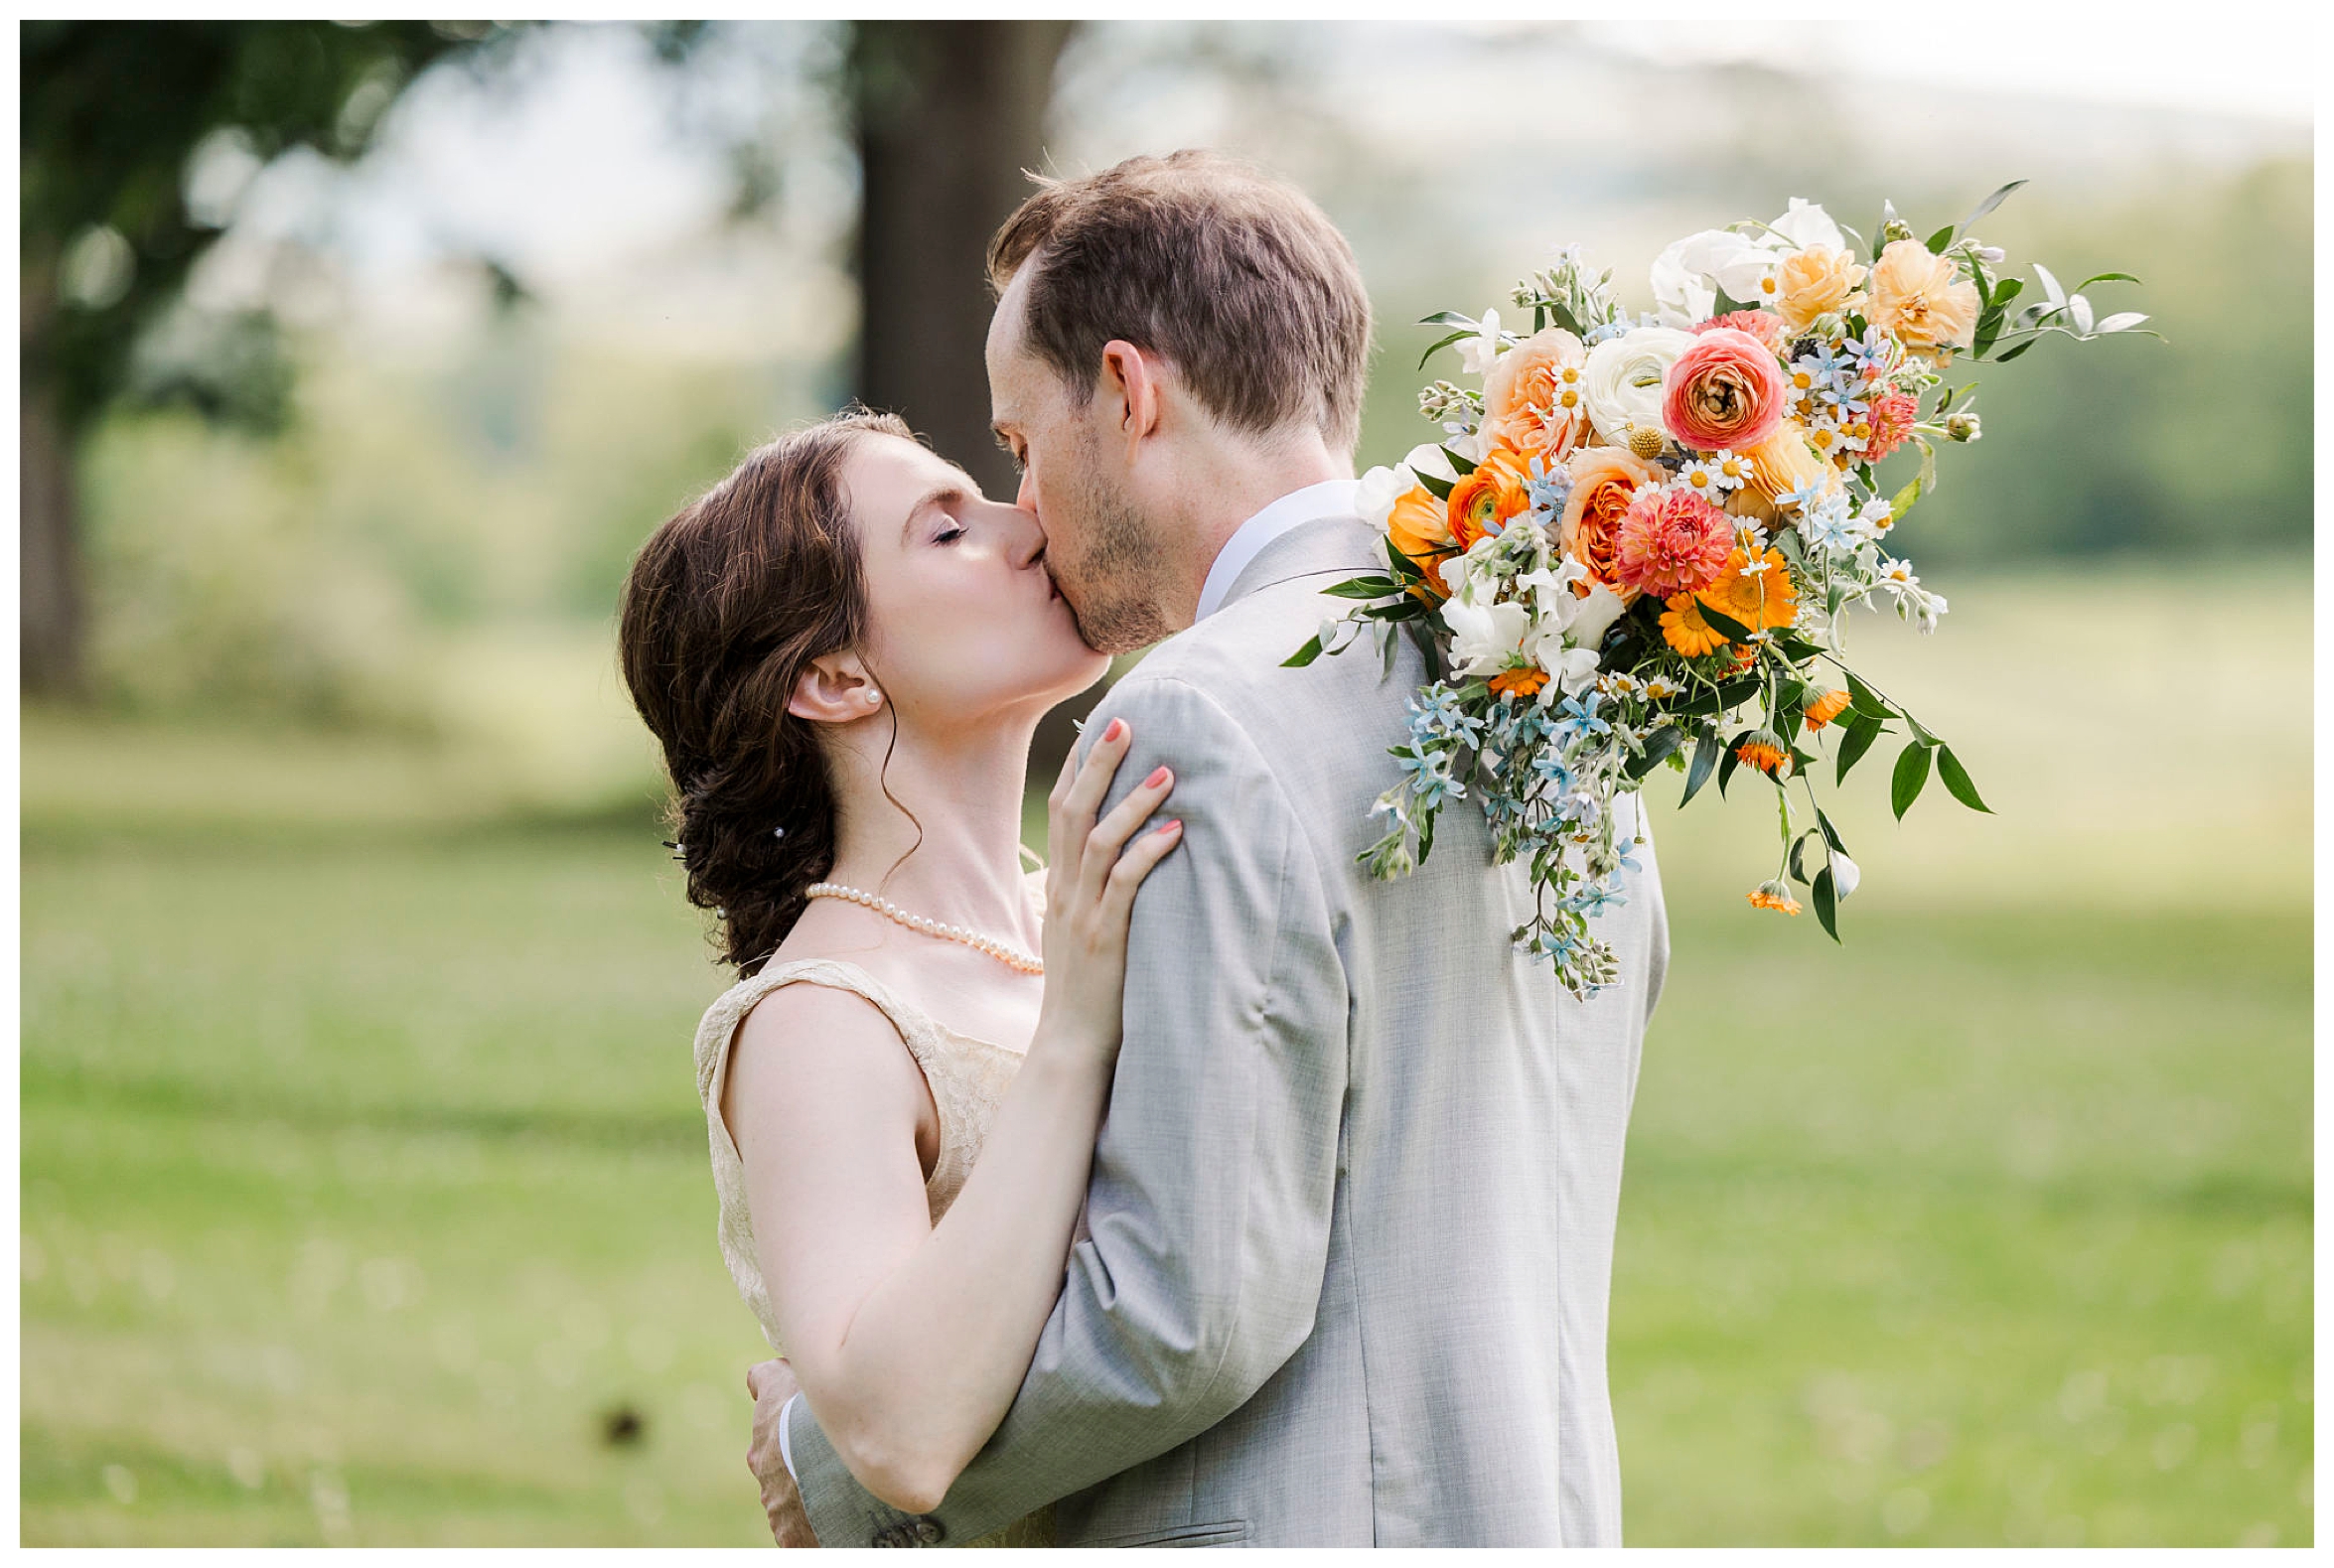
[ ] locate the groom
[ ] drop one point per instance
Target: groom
(1352, 1212)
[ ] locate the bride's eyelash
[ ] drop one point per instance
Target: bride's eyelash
(950, 534)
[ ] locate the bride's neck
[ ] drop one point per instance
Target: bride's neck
(964, 789)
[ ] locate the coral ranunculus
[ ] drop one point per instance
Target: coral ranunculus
(1727, 390)
(1535, 397)
(1813, 281)
(1671, 541)
(1605, 480)
(1482, 503)
(1421, 529)
(1922, 300)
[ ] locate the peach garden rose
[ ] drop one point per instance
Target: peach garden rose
(1536, 397)
(1922, 300)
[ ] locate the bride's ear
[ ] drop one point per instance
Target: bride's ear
(835, 688)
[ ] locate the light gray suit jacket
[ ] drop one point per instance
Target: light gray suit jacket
(1352, 1208)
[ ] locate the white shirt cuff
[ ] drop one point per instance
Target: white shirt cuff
(785, 1450)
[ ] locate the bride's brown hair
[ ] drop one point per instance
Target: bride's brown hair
(725, 607)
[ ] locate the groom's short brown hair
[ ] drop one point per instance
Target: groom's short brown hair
(1230, 273)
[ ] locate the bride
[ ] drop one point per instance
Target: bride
(844, 650)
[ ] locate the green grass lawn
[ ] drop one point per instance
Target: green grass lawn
(365, 1189)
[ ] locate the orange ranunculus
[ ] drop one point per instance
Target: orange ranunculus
(1684, 629)
(1534, 397)
(1922, 300)
(1421, 528)
(1605, 480)
(1831, 705)
(1754, 599)
(1483, 502)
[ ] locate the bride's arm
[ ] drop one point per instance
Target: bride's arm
(911, 1339)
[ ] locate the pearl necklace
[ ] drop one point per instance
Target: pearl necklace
(1011, 957)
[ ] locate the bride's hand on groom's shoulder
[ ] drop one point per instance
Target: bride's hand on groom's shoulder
(1092, 875)
(771, 1383)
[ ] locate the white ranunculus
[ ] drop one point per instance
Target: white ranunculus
(1688, 275)
(1484, 636)
(1805, 224)
(1623, 377)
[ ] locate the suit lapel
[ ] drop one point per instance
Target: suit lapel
(1325, 546)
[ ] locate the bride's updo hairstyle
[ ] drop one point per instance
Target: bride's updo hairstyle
(726, 606)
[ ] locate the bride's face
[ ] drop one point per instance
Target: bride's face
(963, 620)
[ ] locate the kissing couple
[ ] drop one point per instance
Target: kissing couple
(1195, 1189)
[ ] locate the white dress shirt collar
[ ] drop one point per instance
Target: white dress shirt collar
(1329, 498)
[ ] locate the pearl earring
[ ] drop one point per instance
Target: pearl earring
(873, 696)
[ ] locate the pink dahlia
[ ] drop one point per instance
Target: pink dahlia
(1765, 326)
(1671, 541)
(1892, 419)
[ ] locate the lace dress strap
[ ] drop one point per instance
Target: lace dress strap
(717, 1033)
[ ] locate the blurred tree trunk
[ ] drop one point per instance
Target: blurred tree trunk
(48, 589)
(949, 114)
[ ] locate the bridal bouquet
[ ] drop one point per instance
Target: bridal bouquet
(1638, 541)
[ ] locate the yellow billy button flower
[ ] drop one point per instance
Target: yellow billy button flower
(1774, 895)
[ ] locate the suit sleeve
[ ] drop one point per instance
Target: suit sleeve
(1215, 1169)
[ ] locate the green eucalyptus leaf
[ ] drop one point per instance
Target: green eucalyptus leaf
(1441, 344)
(1827, 906)
(1863, 731)
(1986, 205)
(1439, 489)
(1728, 763)
(1362, 588)
(1912, 772)
(1939, 240)
(1734, 630)
(2105, 277)
(1866, 699)
(2008, 290)
(1705, 761)
(1956, 779)
(1830, 833)
(1658, 745)
(1464, 465)
(1303, 655)
(1448, 319)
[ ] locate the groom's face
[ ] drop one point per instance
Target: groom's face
(1096, 546)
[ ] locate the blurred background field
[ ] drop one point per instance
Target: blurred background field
(365, 1195)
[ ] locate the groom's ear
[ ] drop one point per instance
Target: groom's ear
(1131, 382)
(834, 688)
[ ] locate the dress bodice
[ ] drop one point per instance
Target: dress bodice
(967, 1077)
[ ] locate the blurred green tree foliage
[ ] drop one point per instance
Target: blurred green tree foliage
(112, 115)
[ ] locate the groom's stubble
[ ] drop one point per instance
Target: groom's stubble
(1110, 575)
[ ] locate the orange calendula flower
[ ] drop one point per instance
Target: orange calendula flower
(1482, 503)
(1826, 708)
(1774, 895)
(1684, 629)
(1765, 751)
(1523, 682)
(1754, 591)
